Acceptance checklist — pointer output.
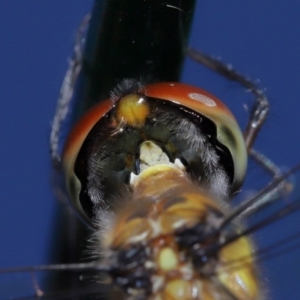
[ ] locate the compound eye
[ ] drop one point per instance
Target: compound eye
(228, 131)
(73, 145)
(142, 126)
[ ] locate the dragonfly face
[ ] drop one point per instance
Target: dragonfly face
(184, 123)
(130, 164)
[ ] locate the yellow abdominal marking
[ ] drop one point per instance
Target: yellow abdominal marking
(236, 270)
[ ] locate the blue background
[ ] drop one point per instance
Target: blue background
(260, 39)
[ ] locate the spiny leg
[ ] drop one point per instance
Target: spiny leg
(66, 92)
(260, 107)
(63, 105)
(258, 115)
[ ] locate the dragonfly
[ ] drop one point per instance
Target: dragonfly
(272, 138)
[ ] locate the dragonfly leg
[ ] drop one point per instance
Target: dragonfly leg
(260, 108)
(258, 115)
(66, 92)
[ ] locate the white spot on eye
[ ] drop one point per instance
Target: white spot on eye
(202, 98)
(141, 100)
(171, 84)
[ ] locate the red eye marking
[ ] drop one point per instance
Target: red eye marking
(190, 96)
(81, 130)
